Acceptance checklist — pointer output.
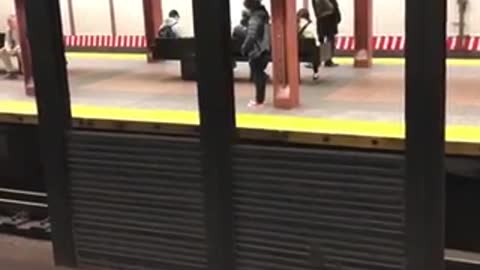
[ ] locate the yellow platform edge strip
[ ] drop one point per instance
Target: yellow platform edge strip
(341, 60)
(454, 133)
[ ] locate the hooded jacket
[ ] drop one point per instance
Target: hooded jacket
(174, 24)
(257, 40)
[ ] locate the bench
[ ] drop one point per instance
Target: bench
(183, 49)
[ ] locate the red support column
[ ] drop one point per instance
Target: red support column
(26, 59)
(363, 33)
(286, 76)
(153, 17)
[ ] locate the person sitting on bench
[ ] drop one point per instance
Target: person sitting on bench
(171, 27)
(307, 30)
(11, 48)
(240, 31)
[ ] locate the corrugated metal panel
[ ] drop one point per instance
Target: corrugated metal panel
(298, 209)
(137, 202)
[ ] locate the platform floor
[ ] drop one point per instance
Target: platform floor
(24, 254)
(345, 100)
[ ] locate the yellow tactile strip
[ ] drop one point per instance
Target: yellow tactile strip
(456, 133)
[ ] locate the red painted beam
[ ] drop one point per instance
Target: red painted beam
(153, 17)
(286, 76)
(363, 33)
(26, 58)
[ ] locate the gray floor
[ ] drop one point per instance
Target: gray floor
(24, 254)
(341, 93)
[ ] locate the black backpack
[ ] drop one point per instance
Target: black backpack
(167, 31)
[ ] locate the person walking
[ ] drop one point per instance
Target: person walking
(328, 18)
(257, 47)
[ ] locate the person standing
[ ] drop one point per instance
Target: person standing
(328, 18)
(257, 47)
(11, 47)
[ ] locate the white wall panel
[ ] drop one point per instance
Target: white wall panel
(129, 17)
(389, 17)
(92, 17)
(7, 8)
(347, 10)
(65, 17)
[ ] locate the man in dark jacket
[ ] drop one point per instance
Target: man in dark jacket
(327, 24)
(257, 47)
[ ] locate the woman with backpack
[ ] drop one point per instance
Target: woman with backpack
(307, 30)
(257, 47)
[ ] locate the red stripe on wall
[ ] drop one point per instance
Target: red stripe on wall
(345, 43)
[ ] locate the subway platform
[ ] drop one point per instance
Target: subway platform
(364, 102)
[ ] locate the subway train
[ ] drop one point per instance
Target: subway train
(121, 148)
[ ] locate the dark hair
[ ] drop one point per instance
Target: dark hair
(303, 14)
(252, 4)
(174, 14)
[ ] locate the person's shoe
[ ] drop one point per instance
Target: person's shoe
(330, 64)
(254, 104)
(316, 76)
(11, 76)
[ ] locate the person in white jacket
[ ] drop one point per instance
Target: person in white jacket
(171, 27)
(11, 47)
(307, 29)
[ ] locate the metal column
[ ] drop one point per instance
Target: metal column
(286, 75)
(425, 120)
(363, 33)
(153, 16)
(217, 125)
(54, 116)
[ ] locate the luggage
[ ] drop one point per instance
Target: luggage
(325, 51)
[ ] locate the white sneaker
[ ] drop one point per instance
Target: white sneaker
(254, 104)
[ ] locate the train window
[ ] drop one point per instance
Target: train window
(16, 82)
(463, 70)
(321, 77)
(131, 60)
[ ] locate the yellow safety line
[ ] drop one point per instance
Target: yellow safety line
(340, 60)
(455, 133)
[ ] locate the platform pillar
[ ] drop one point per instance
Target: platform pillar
(363, 33)
(286, 75)
(26, 59)
(153, 17)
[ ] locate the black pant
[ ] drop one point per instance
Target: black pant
(257, 67)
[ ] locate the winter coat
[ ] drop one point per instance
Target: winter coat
(257, 40)
(327, 26)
